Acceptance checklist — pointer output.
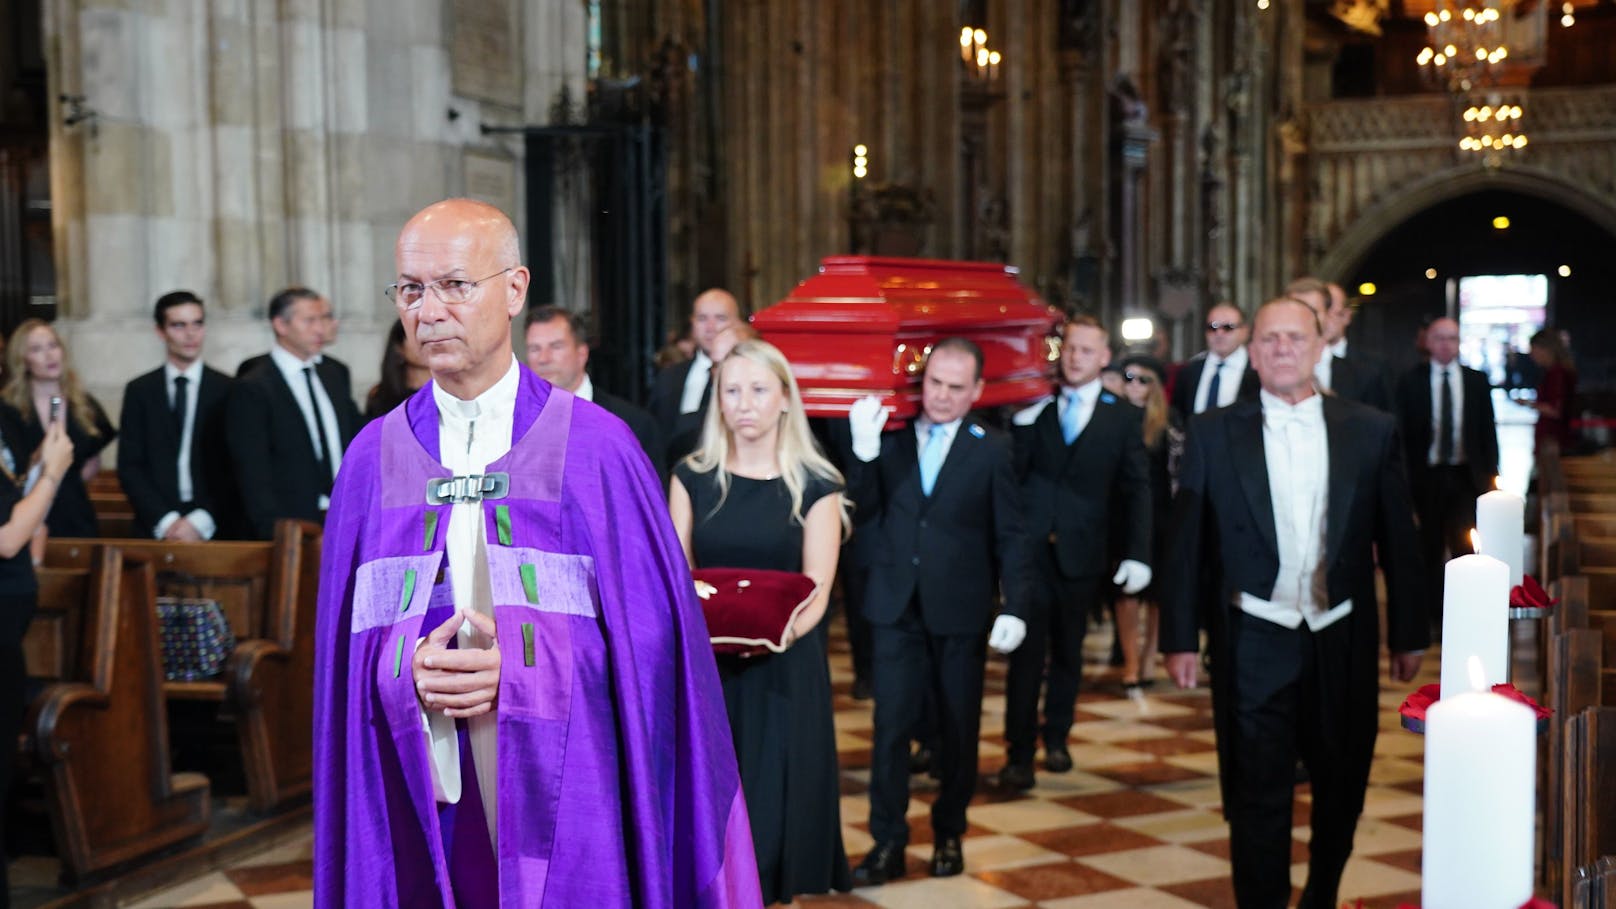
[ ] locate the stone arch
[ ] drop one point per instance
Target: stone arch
(1348, 251)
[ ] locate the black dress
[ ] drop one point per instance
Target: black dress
(779, 704)
(71, 515)
(18, 599)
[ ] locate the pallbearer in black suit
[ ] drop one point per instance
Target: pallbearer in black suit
(1220, 374)
(1081, 460)
(558, 350)
(940, 501)
(1361, 378)
(680, 393)
(291, 417)
(173, 462)
(1285, 501)
(1450, 441)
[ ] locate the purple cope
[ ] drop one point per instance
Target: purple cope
(617, 775)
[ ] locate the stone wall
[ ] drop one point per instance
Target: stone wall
(240, 146)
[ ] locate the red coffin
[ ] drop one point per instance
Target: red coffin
(864, 324)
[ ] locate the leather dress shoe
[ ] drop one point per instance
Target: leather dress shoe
(884, 863)
(948, 860)
(921, 760)
(1015, 776)
(1057, 759)
(861, 689)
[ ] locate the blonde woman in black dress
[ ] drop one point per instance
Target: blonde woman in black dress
(758, 493)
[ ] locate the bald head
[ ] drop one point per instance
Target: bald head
(1442, 341)
(1286, 341)
(463, 261)
(713, 311)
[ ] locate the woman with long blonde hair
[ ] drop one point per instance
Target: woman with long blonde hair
(758, 493)
(40, 386)
(1142, 379)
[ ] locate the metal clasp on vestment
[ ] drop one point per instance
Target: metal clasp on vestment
(473, 488)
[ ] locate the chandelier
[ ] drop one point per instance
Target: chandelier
(1464, 44)
(1493, 126)
(981, 62)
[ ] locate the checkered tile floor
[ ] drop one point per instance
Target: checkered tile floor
(1135, 826)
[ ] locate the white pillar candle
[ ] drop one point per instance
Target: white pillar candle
(1501, 522)
(1475, 620)
(1480, 767)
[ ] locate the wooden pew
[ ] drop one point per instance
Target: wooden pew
(1589, 763)
(52, 644)
(267, 592)
(100, 739)
(1572, 682)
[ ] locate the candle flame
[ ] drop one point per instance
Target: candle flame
(1478, 675)
(1475, 540)
(1498, 482)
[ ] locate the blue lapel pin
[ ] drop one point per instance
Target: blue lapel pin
(978, 431)
(1108, 397)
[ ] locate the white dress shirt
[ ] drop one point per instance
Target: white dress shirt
(701, 369)
(471, 435)
(1456, 385)
(585, 389)
(1088, 394)
(199, 517)
(1321, 370)
(292, 371)
(1296, 449)
(1338, 349)
(1234, 369)
(923, 435)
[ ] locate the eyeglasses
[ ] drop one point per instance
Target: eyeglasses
(452, 291)
(1222, 326)
(1138, 378)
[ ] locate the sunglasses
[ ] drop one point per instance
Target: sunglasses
(1222, 326)
(1139, 378)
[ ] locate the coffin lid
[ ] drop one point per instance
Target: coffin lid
(874, 294)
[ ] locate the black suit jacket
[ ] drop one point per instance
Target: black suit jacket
(276, 467)
(1073, 493)
(1361, 380)
(1189, 379)
(1478, 432)
(148, 455)
(678, 432)
(1223, 527)
(643, 426)
(252, 363)
(955, 547)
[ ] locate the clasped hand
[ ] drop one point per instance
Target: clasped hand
(462, 682)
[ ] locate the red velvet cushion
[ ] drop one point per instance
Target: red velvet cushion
(750, 610)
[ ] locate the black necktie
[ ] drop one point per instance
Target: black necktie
(1444, 422)
(1212, 387)
(322, 444)
(179, 403)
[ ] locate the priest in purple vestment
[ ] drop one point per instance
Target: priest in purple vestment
(515, 700)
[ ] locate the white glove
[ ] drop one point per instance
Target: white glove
(1133, 576)
(1007, 634)
(867, 418)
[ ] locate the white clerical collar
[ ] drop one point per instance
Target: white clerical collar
(192, 373)
(500, 398)
(585, 389)
(1308, 406)
(290, 362)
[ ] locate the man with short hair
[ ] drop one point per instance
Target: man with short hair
(558, 350)
(939, 502)
(516, 703)
(1450, 445)
(1222, 373)
(172, 460)
(1361, 378)
(1285, 501)
(680, 393)
(1080, 457)
(291, 417)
